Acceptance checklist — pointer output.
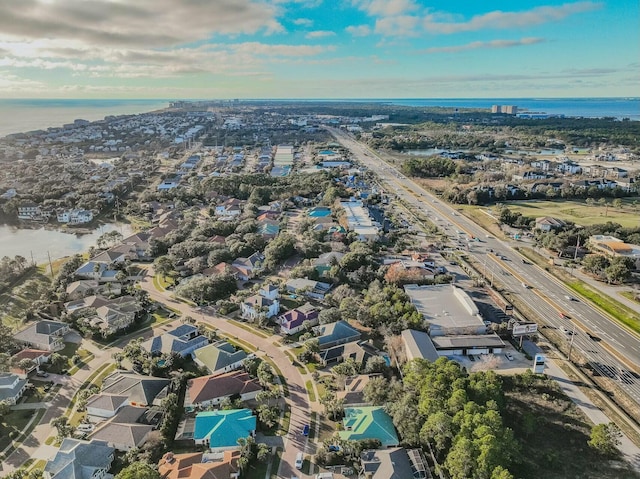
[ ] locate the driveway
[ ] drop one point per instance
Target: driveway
(297, 401)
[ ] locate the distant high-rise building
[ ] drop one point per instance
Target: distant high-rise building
(508, 109)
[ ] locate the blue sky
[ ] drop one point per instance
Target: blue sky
(318, 48)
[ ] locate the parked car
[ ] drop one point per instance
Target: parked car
(85, 427)
(509, 356)
(42, 374)
(305, 430)
(333, 448)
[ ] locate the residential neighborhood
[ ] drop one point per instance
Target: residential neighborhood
(289, 305)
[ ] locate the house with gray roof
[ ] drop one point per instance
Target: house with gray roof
(333, 334)
(46, 335)
(87, 287)
(308, 287)
(105, 405)
(394, 463)
(123, 437)
(220, 357)
(77, 459)
(140, 390)
(183, 341)
(11, 387)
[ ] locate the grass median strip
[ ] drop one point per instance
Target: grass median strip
(248, 328)
(310, 391)
(614, 308)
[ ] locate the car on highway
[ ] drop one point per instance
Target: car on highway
(564, 315)
(569, 298)
(525, 285)
(568, 332)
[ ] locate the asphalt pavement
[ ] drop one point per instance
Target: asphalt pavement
(298, 400)
(614, 351)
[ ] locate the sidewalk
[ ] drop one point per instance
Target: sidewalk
(34, 445)
(611, 291)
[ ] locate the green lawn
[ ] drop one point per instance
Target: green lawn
(34, 395)
(13, 424)
(619, 311)
(249, 328)
(162, 282)
(578, 211)
(310, 391)
(630, 295)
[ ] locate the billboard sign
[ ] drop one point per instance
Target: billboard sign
(522, 329)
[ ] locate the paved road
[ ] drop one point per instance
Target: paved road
(298, 400)
(34, 446)
(611, 349)
(629, 450)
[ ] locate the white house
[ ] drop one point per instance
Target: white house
(169, 183)
(75, 217)
(257, 305)
(11, 387)
(231, 207)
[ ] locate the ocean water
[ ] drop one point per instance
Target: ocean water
(573, 107)
(22, 115)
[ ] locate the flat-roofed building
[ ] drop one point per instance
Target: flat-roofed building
(448, 309)
(468, 344)
(418, 345)
(613, 246)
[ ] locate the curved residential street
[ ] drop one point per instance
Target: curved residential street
(298, 399)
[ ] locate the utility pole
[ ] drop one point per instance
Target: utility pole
(50, 265)
(573, 335)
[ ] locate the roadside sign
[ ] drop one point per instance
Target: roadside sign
(522, 329)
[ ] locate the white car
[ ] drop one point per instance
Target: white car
(509, 356)
(84, 427)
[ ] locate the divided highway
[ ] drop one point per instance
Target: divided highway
(611, 350)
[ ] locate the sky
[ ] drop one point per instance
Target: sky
(195, 49)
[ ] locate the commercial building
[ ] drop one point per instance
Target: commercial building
(447, 308)
(612, 246)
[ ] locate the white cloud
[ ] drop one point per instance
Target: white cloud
(405, 25)
(263, 49)
(320, 34)
(485, 45)
(303, 22)
(386, 7)
(10, 83)
(508, 20)
(359, 30)
(405, 18)
(142, 23)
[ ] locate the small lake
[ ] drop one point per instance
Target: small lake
(432, 151)
(543, 152)
(37, 242)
